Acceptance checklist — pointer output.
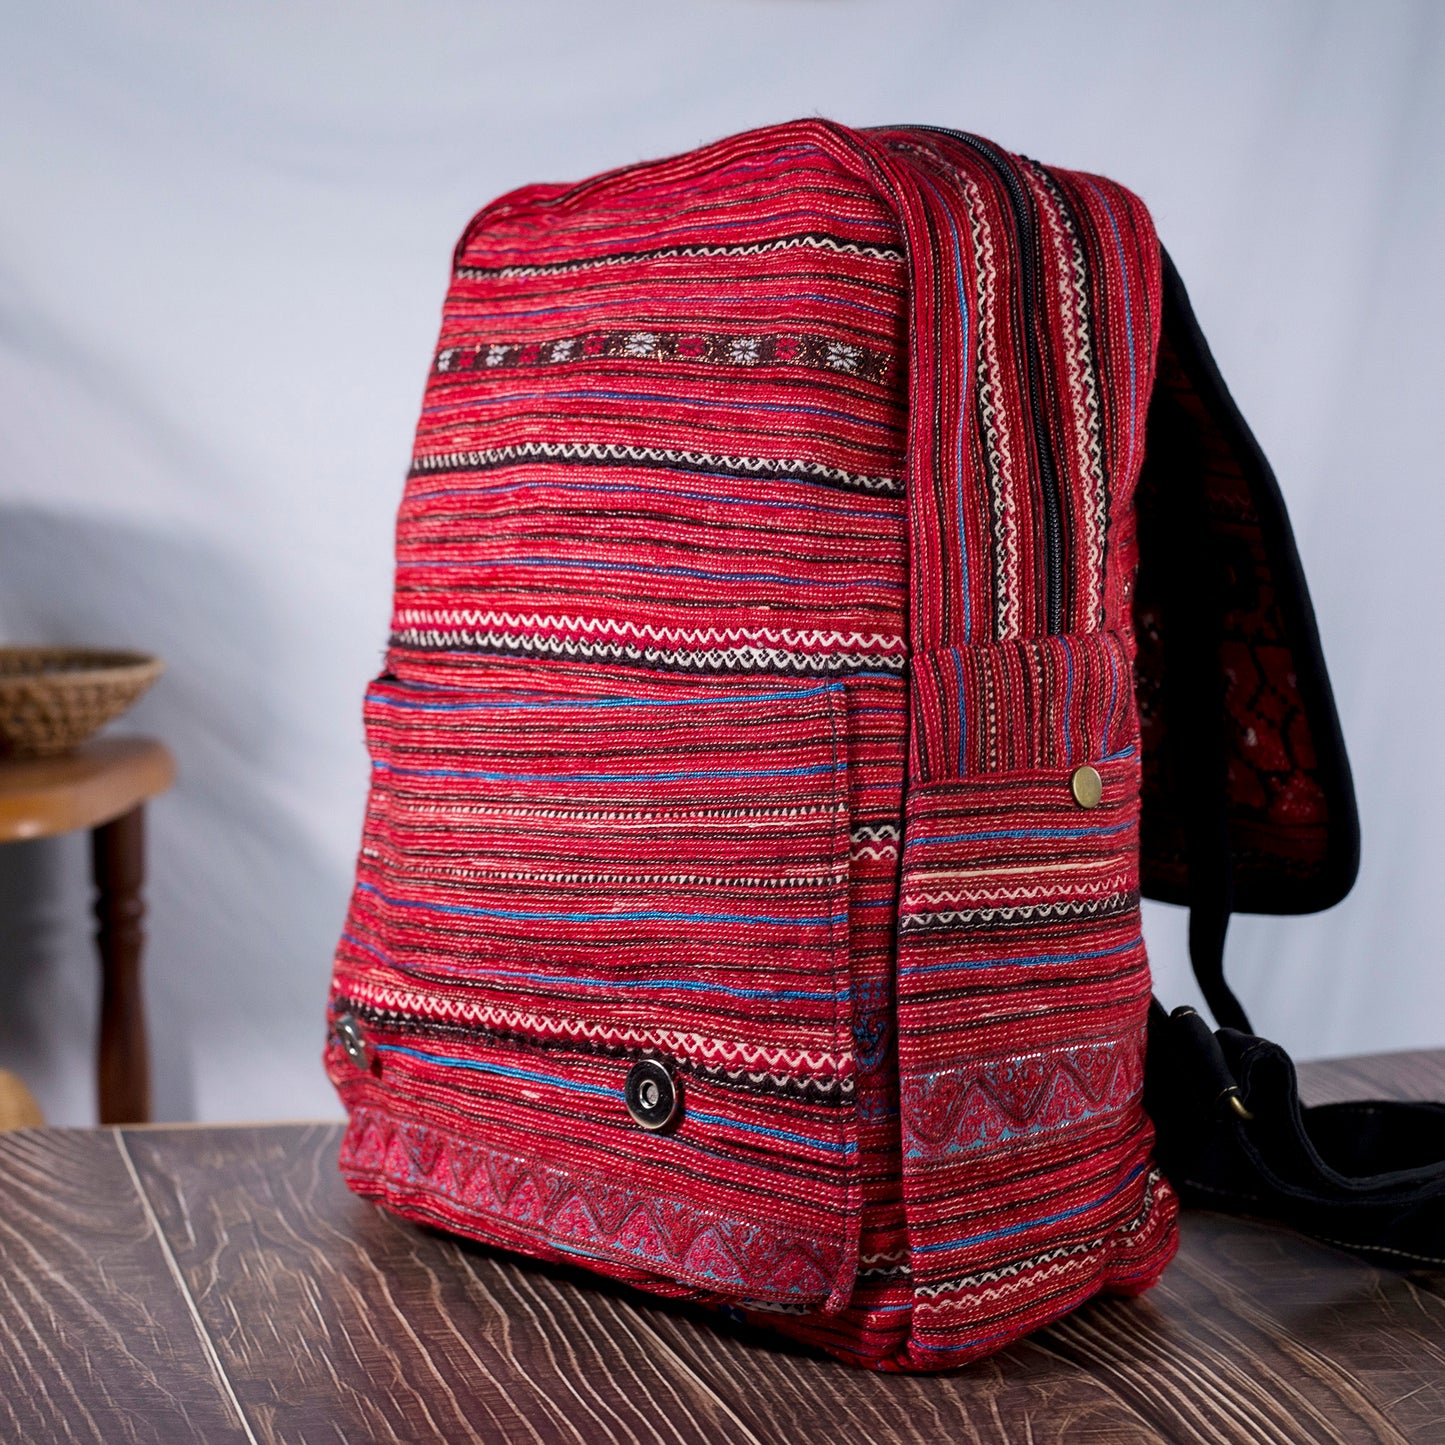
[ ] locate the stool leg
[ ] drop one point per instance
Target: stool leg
(123, 1069)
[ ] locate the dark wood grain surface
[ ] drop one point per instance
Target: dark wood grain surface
(99, 1340)
(221, 1284)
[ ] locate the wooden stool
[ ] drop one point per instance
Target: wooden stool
(18, 1109)
(103, 787)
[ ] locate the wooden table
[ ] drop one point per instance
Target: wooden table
(220, 1284)
(104, 787)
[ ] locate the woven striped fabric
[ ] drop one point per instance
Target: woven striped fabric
(763, 582)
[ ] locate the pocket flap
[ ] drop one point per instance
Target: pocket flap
(558, 888)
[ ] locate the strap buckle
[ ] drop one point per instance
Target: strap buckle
(1210, 1066)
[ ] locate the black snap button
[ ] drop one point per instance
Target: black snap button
(652, 1095)
(347, 1031)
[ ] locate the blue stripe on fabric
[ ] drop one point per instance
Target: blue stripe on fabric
(788, 995)
(503, 1071)
(380, 700)
(673, 777)
(636, 915)
(573, 1086)
(918, 970)
(1048, 1219)
(585, 565)
(373, 950)
(998, 833)
(846, 1146)
(633, 397)
(717, 498)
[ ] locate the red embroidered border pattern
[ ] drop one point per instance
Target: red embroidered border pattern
(703, 460)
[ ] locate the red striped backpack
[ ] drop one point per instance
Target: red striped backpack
(832, 582)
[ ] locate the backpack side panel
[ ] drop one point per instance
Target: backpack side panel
(1023, 982)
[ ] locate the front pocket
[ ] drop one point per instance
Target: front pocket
(558, 885)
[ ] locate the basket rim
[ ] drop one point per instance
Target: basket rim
(96, 664)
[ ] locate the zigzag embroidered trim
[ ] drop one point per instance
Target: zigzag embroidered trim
(998, 449)
(786, 639)
(837, 1092)
(967, 885)
(885, 1265)
(1074, 311)
(956, 1111)
(812, 240)
(705, 1049)
(573, 1214)
(764, 468)
(1156, 1187)
(740, 659)
(1020, 914)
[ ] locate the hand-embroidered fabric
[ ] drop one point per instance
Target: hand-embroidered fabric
(764, 577)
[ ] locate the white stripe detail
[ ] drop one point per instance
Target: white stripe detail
(615, 452)
(741, 659)
(790, 638)
(752, 248)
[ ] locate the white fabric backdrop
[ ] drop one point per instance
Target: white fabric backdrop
(224, 238)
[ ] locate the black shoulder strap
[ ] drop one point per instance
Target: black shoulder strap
(1221, 592)
(1243, 629)
(1232, 1134)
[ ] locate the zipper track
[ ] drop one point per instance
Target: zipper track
(409, 1024)
(1022, 208)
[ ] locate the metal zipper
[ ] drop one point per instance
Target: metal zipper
(1022, 209)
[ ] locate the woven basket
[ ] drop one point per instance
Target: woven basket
(53, 698)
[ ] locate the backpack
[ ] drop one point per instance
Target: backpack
(832, 583)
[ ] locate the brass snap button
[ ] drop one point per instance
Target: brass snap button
(652, 1095)
(1087, 786)
(347, 1032)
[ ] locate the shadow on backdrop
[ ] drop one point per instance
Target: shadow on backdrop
(243, 909)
